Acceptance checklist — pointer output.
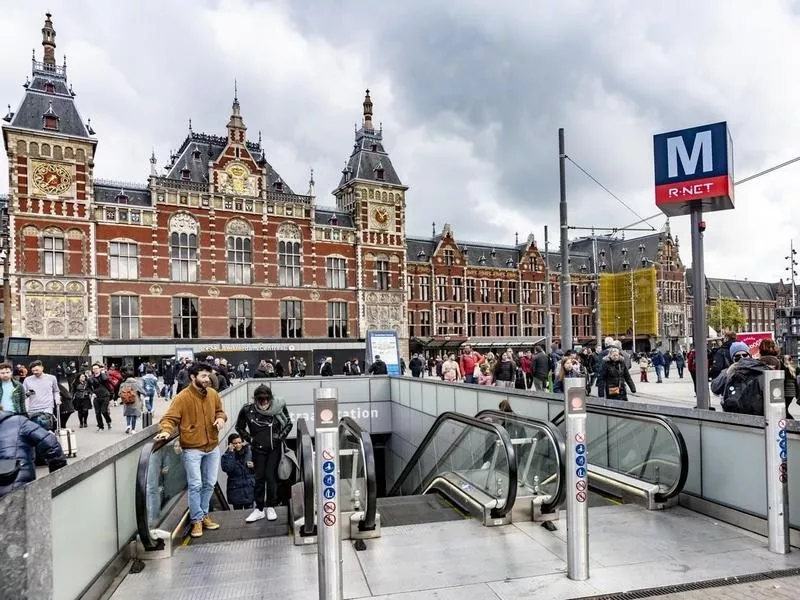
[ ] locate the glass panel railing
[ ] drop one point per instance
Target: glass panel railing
(479, 452)
(641, 445)
(305, 458)
(359, 484)
(539, 447)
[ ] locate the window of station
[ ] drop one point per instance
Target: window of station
(123, 260)
(240, 260)
(291, 319)
(337, 319)
(185, 318)
(53, 260)
(382, 274)
(124, 317)
(240, 318)
(336, 273)
(289, 264)
(183, 252)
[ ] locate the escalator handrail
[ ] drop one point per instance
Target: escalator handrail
(556, 439)
(368, 454)
(305, 458)
(501, 433)
(666, 423)
(142, 477)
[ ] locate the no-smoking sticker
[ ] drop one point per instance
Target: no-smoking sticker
(329, 507)
(580, 496)
(580, 438)
(580, 485)
(329, 520)
(782, 424)
(327, 455)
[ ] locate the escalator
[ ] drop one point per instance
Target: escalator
(634, 456)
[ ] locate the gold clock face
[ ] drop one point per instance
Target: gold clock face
(381, 216)
(51, 178)
(238, 176)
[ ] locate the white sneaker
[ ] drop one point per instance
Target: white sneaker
(254, 516)
(271, 514)
(133, 431)
(127, 429)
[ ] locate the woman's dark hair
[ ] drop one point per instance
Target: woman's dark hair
(233, 436)
(262, 392)
(505, 406)
(768, 348)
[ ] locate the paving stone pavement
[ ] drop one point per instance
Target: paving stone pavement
(787, 588)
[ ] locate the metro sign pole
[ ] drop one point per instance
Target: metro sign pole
(693, 173)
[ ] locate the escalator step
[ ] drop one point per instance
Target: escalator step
(413, 510)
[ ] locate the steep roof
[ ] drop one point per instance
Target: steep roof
(736, 289)
(112, 192)
(49, 93)
(323, 215)
(209, 147)
(369, 157)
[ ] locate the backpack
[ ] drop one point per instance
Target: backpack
(128, 394)
(149, 386)
(744, 393)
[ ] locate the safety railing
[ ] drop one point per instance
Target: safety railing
(358, 457)
(305, 458)
(540, 448)
(444, 450)
(637, 445)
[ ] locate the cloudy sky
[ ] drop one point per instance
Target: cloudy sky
(471, 99)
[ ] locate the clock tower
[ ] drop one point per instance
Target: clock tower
(372, 192)
(51, 265)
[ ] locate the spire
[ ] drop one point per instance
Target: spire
(49, 43)
(311, 183)
(236, 127)
(153, 161)
(368, 112)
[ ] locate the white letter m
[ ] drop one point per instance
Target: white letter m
(676, 150)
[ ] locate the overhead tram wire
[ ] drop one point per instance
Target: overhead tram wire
(609, 192)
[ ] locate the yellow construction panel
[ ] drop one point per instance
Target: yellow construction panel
(616, 307)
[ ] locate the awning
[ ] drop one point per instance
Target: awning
(66, 348)
(430, 343)
(503, 342)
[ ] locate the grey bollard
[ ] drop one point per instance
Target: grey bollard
(577, 470)
(777, 445)
(329, 530)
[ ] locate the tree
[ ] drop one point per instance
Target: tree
(726, 315)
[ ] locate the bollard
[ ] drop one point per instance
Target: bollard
(777, 462)
(329, 531)
(577, 466)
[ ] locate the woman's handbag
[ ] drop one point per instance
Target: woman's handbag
(287, 464)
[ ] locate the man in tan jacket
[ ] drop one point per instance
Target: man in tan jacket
(197, 413)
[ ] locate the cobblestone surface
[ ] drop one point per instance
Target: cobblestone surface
(787, 588)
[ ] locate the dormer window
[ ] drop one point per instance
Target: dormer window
(509, 262)
(196, 154)
(122, 197)
(49, 87)
(482, 260)
(186, 173)
(333, 221)
(374, 147)
(421, 255)
(379, 171)
(278, 185)
(50, 123)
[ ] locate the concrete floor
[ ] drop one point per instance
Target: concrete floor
(630, 548)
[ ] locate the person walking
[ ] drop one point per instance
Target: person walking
(43, 395)
(198, 415)
(264, 424)
(13, 393)
(131, 394)
(680, 363)
(378, 367)
(81, 399)
(149, 385)
(103, 390)
(614, 376)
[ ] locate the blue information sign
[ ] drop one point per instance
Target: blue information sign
(580, 460)
(328, 466)
(580, 471)
(328, 480)
(329, 493)
(580, 448)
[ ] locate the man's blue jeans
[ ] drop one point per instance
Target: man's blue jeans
(201, 469)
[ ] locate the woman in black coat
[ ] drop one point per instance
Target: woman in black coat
(613, 377)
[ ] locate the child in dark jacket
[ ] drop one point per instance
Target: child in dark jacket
(237, 463)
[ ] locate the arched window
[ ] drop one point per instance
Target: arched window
(240, 252)
(183, 247)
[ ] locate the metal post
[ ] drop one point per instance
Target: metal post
(577, 479)
(633, 316)
(329, 532)
(700, 325)
(777, 462)
(566, 286)
(548, 297)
